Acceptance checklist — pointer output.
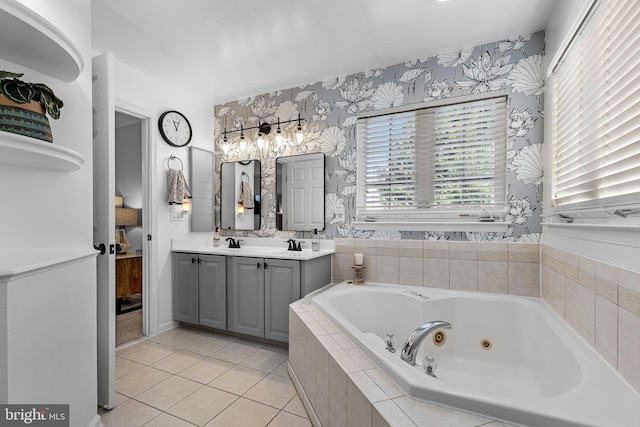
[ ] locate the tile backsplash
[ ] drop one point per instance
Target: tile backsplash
(601, 302)
(503, 268)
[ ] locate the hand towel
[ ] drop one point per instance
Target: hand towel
(246, 196)
(177, 187)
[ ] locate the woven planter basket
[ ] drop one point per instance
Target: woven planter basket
(24, 119)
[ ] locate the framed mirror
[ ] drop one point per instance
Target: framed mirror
(300, 192)
(240, 204)
(201, 189)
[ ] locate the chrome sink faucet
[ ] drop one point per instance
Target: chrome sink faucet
(410, 347)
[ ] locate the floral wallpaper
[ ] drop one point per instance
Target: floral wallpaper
(329, 110)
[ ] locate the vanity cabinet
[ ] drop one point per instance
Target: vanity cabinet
(199, 289)
(243, 294)
(260, 291)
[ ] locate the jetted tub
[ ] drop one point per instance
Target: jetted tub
(511, 358)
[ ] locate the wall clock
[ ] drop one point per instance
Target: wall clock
(175, 128)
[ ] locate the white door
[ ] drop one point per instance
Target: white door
(104, 222)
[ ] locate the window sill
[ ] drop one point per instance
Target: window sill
(486, 227)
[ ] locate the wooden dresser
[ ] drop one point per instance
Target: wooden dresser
(128, 276)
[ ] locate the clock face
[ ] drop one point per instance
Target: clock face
(175, 128)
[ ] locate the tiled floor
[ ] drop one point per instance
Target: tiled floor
(187, 377)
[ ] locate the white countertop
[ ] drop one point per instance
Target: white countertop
(258, 247)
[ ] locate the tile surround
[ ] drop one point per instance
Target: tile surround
(359, 393)
(505, 268)
(601, 302)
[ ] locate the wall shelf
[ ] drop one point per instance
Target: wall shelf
(19, 150)
(30, 40)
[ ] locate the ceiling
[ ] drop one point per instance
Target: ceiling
(233, 49)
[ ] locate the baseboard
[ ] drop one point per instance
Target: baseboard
(315, 421)
(96, 422)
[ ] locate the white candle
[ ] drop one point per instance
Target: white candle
(358, 258)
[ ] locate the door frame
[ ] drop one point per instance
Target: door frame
(149, 293)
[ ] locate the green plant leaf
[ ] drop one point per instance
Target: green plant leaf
(9, 75)
(48, 100)
(17, 91)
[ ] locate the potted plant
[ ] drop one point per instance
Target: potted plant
(23, 106)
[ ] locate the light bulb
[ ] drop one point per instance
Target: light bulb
(279, 137)
(225, 148)
(299, 135)
(243, 144)
(260, 140)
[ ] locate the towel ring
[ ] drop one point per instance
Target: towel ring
(172, 157)
(243, 176)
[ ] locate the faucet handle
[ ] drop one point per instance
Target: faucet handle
(429, 365)
(390, 342)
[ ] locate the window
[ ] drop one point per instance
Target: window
(596, 93)
(438, 160)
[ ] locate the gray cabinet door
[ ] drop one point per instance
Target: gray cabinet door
(185, 287)
(246, 296)
(282, 287)
(212, 281)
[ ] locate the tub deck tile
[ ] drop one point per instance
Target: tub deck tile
(345, 362)
(428, 414)
(367, 387)
(390, 389)
(361, 359)
(392, 414)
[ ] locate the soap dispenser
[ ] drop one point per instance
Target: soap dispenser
(216, 238)
(315, 242)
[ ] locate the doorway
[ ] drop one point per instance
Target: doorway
(129, 198)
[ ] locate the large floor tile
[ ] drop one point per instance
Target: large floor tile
(177, 362)
(273, 391)
(206, 370)
(237, 352)
(166, 420)
(169, 392)
(238, 380)
(284, 419)
(139, 381)
(244, 413)
(200, 407)
(129, 414)
(265, 360)
(146, 352)
(296, 407)
(125, 367)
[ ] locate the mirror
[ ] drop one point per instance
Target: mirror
(300, 192)
(201, 189)
(240, 195)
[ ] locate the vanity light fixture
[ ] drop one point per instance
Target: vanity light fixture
(264, 129)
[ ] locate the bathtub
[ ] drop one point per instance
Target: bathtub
(510, 358)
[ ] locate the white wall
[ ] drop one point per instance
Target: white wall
(618, 247)
(145, 92)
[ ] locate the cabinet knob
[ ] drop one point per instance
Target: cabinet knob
(266, 265)
(258, 265)
(193, 260)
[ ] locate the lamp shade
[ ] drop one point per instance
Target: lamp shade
(126, 216)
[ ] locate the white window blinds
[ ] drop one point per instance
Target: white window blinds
(436, 159)
(596, 131)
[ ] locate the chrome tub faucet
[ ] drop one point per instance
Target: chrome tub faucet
(410, 347)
